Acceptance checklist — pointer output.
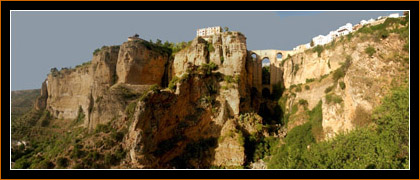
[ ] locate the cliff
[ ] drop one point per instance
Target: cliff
(349, 76)
(140, 105)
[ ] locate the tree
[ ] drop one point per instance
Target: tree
(226, 29)
(158, 42)
(312, 43)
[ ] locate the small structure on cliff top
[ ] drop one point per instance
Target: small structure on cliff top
(134, 37)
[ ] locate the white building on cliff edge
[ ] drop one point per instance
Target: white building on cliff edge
(203, 32)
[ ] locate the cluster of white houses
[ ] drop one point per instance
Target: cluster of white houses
(343, 30)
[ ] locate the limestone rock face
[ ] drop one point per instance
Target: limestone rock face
(230, 151)
(89, 86)
(41, 101)
(139, 65)
(165, 122)
(68, 91)
(366, 81)
(195, 54)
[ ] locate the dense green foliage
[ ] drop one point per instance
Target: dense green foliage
(385, 146)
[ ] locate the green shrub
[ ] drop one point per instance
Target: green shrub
(222, 59)
(329, 89)
(208, 68)
(125, 93)
(103, 128)
(315, 118)
(22, 163)
(318, 49)
(80, 116)
(130, 109)
(294, 109)
(62, 162)
(172, 83)
(339, 73)
(210, 47)
(342, 85)
(298, 88)
(323, 77)
(303, 102)
(96, 51)
(383, 33)
(228, 79)
(307, 87)
(310, 80)
(332, 98)
(370, 50)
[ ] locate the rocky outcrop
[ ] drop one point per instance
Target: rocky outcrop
(41, 101)
(139, 64)
(165, 122)
(365, 82)
(88, 86)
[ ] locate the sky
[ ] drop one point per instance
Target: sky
(41, 40)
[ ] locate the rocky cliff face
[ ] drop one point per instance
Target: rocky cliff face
(89, 85)
(167, 124)
(364, 82)
(206, 116)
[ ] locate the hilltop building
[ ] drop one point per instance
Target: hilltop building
(134, 37)
(205, 32)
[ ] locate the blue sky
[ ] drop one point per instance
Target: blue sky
(42, 40)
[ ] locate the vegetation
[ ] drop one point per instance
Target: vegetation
(172, 83)
(318, 49)
(370, 50)
(310, 80)
(329, 89)
(332, 98)
(342, 85)
(298, 88)
(295, 69)
(207, 69)
(210, 47)
(96, 51)
(307, 87)
(383, 147)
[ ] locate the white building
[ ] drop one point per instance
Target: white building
(344, 30)
(394, 15)
(209, 31)
(363, 22)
